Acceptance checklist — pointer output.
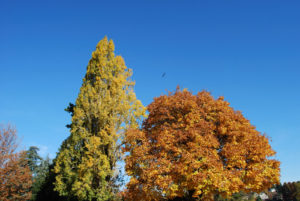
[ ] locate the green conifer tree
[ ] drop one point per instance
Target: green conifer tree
(106, 106)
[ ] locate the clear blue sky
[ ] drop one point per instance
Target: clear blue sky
(247, 51)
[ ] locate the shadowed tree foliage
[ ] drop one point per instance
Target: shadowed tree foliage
(39, 168)
(106, 105)
(192, 147)
(70, 109)
(291, 191)
(15, 175)
(46, 191)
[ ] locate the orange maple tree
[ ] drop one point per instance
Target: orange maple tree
(192, 147)
(15, 175)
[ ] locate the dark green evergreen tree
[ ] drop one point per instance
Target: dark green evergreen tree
(33, 159)
(39, 168)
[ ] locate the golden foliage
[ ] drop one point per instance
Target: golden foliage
(105, 107)
(196, 146)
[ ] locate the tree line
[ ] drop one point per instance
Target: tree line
(180, 147)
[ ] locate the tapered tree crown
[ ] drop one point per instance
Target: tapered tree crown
(105, 107)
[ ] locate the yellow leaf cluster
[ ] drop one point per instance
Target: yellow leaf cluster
(105, 107)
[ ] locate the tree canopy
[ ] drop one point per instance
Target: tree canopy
(15, 175)
(192, 147)
(106, 105)
(33, 158)
(39, 169)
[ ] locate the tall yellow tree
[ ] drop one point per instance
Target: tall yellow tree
(192, 147)
(106, 105)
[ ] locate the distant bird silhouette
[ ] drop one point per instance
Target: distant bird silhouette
(163, 75)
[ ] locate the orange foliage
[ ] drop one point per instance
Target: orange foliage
(192, 147)
(15, 175)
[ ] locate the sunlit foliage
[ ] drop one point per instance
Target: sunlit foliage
(105, 106)
(192, 147)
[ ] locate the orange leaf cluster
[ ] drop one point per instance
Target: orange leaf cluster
(196, 146)
(15, 175)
